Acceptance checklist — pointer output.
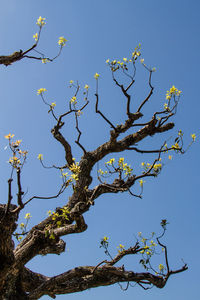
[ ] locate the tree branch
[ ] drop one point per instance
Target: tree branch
(83, 278)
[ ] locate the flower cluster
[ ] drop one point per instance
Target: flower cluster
(123, 64)
(101, 172)
(75, 169)
(27, 216)
(96, 76)
(86, 87)
(45, 60)
(124, 167)
(40, 157)
(104, 243)
(193, 136)
(9, 136)
(110, 162)
(62, 213)
(23, 227)
(121, 168)
(121, 248)
(148, 249)
(73, 100)
(40, 21)
(58, 218)
(175, 146)
(137, 52)
(18, 156)
(161, 268)
(69, 178)
(52, 105)
(141, 182)
(156, 167)
(172, 92)
(62, 41)
(40, 91)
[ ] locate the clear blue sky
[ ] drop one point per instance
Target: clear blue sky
(169, 34)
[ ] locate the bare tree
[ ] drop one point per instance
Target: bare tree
(19, 282)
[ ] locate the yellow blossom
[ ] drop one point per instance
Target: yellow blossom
(172, 90)
(45, 60)
(143, 240)
(146, 247)
(96, 76)
(17, 143)
(176, 146)
(73, 100)
(107, 61)
(53, 104)
(62, 41)
(86, 87)
(125, 59)
(71, 81)
(180, 133)
(40, 91)
(101, 172)
(161, 267)
(142, 60)
(121, 161)
(27, 216)
(105, 239)
(141, 182)
(40, 156)
(170, 157)
(35, 36)
(166, 106)
(14, 161)
(40, 21)
(79, 112)
(110, 162)
(121, 246)
(193, 136)
(153, 244)
(52, 236)
(9, 136)
(23, 153)
(157, 167)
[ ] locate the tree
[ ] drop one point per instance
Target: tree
(19, 282)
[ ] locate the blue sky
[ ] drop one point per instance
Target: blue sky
(169, 35)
